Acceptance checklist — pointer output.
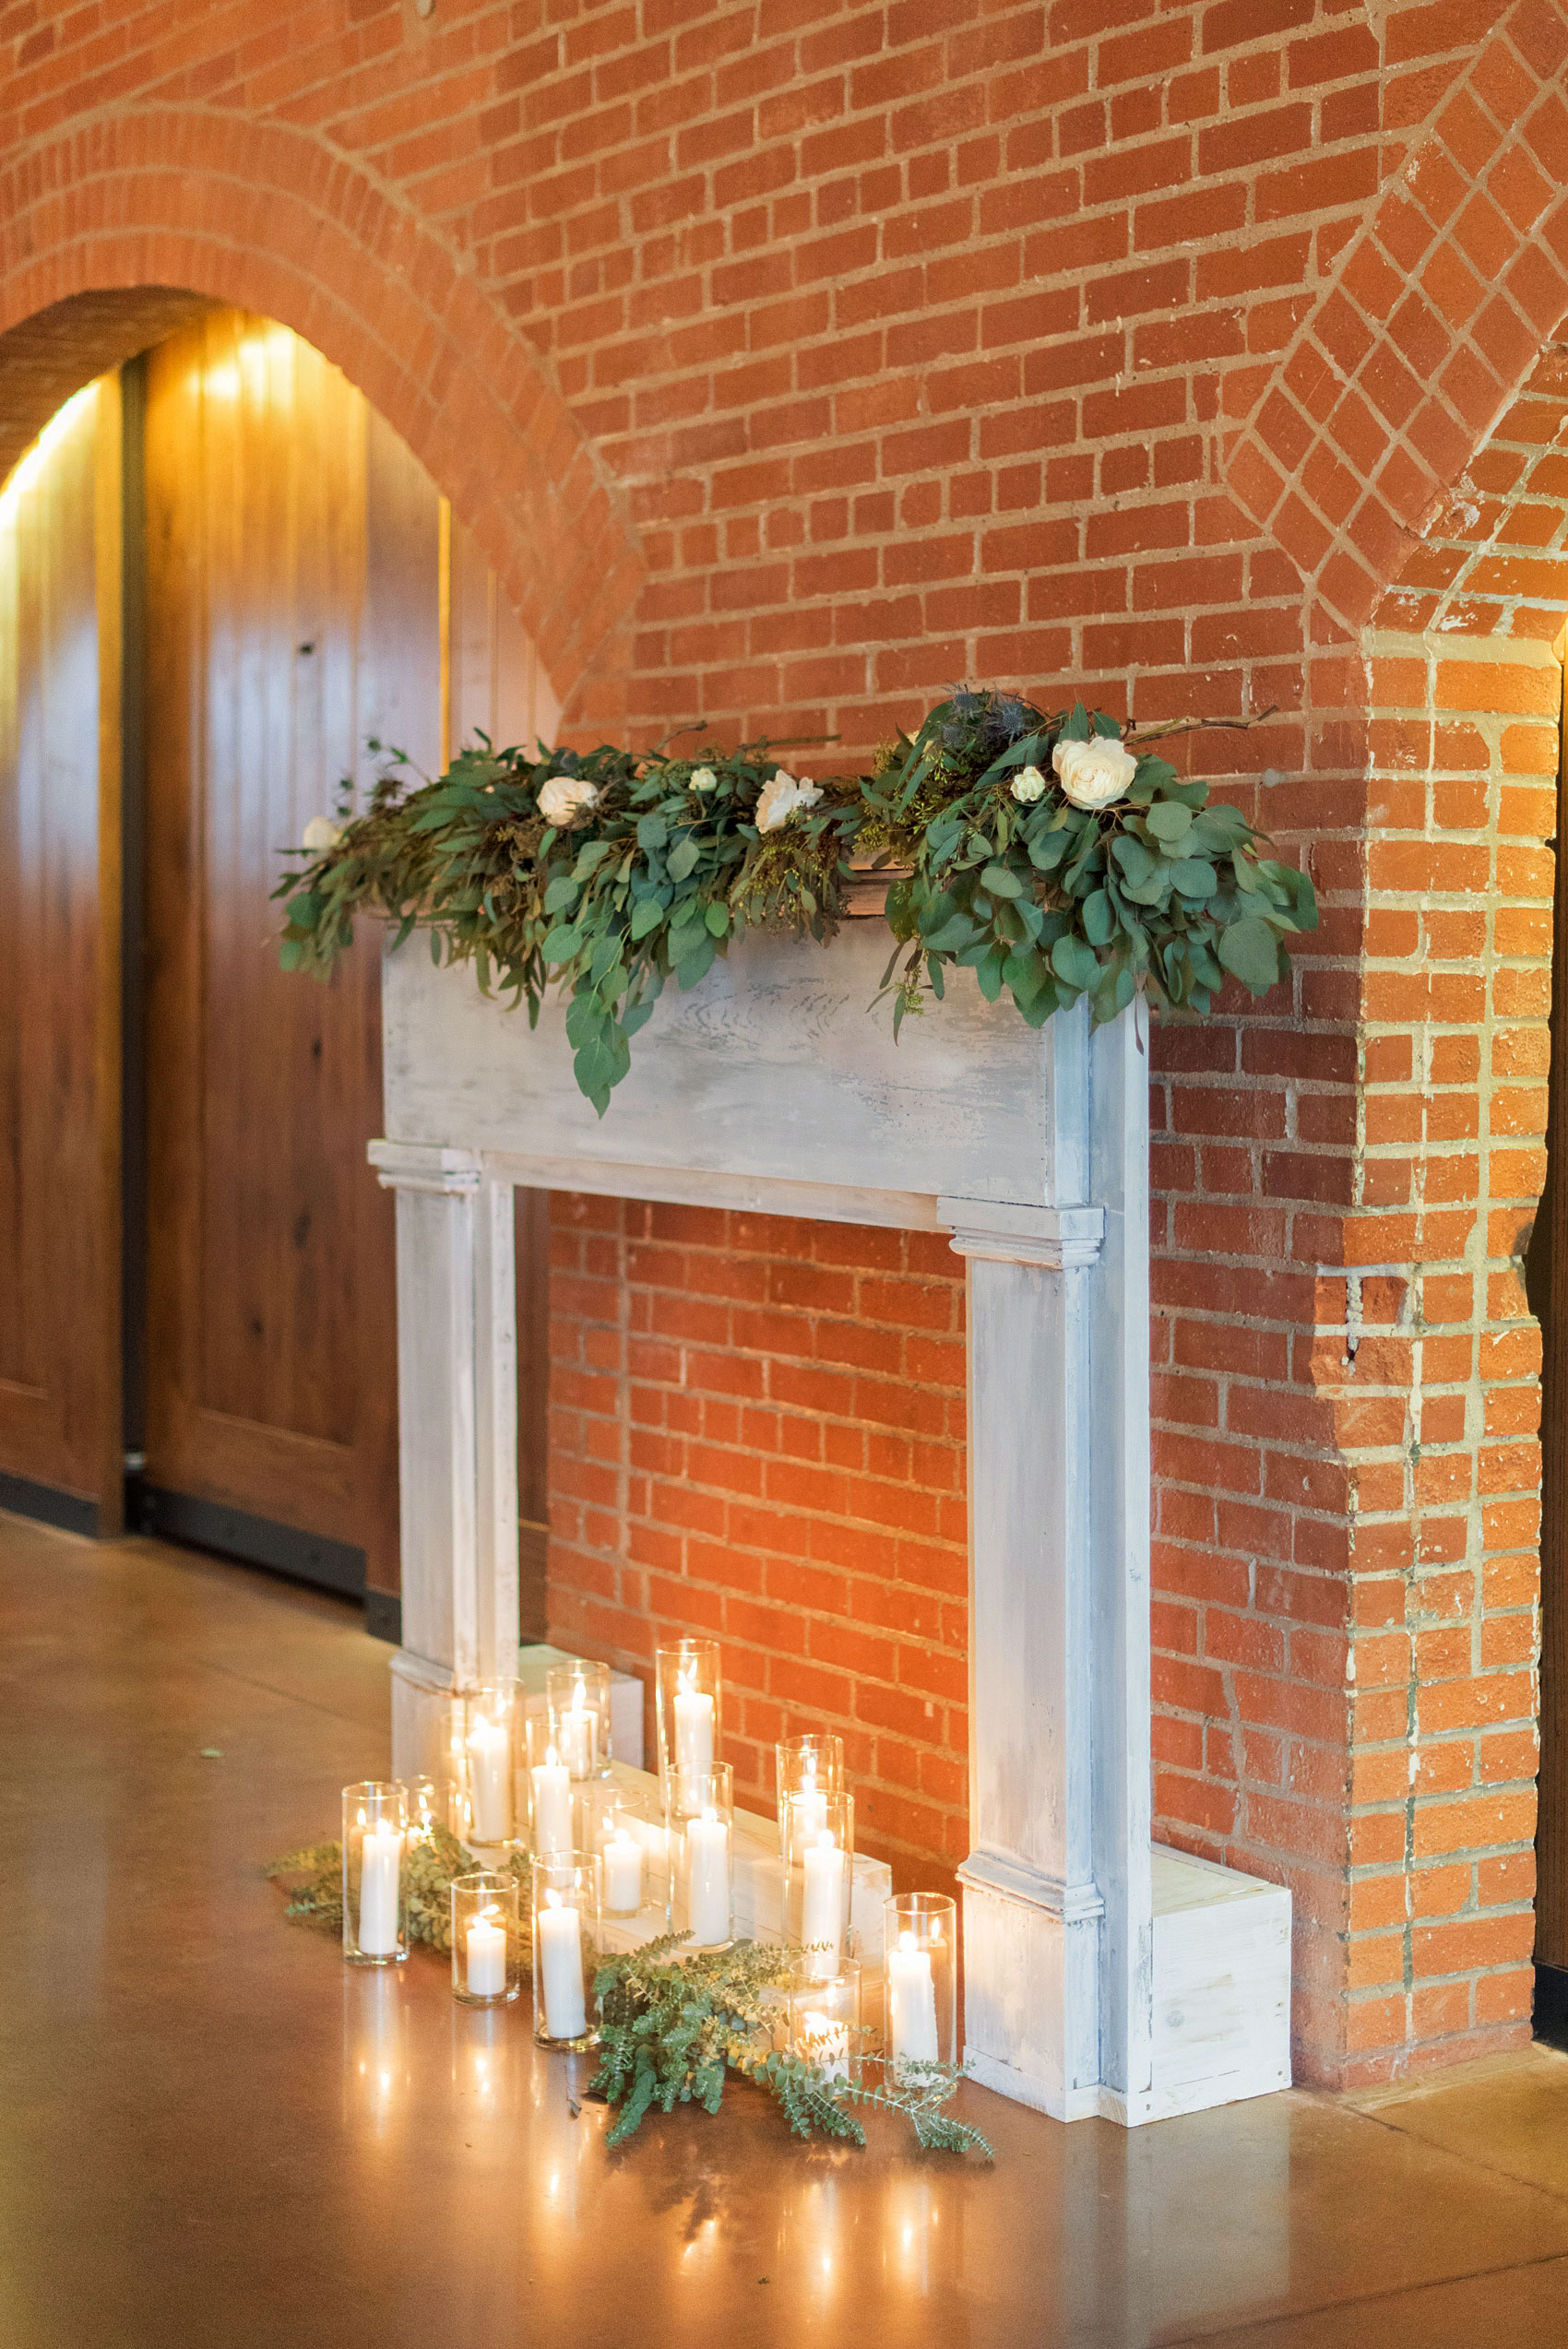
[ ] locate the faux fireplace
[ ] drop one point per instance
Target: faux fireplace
(1102, 1975)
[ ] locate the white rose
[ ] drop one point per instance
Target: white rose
(1093, 772)
(704, 779)
(1028, 785)
(321, 834)
(564, 796)
(778, 800)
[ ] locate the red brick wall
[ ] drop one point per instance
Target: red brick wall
(757, 1435)
(791, 362)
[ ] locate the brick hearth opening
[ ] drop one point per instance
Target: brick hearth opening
(756, 1432)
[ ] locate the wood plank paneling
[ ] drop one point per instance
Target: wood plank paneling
(495, 685)
(59, 963)
(1547, 1283)
(291, 569)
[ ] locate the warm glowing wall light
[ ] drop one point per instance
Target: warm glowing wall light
(31, 462)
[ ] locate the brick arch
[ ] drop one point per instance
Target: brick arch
(157, 204)
(1436, 312)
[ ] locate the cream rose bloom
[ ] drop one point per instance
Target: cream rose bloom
(778, 800)
(565, 795)
(1028, 785)
(704, 779)
(1094, 773)
(321, 834)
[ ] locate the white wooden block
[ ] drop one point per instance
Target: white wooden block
(1221, 1986)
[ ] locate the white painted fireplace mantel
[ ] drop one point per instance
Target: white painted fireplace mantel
(1100, 1976)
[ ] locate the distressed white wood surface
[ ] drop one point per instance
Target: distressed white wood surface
(774, 1069)
(770, 1086)
(1222, 2009)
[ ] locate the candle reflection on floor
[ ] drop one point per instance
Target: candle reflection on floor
(484, 2065)
(376, 2054)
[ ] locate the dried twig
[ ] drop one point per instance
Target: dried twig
(1198, 726)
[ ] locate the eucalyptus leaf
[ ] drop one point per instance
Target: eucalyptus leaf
(1250, 951)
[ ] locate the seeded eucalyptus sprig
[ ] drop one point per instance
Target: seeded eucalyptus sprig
(611, 874)
(673, 2027)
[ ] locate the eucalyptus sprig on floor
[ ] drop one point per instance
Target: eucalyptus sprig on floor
(673, 2027)
(1007, 850)
(431, 1861)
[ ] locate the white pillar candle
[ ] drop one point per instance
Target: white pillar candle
(551, 1804)
(561, 1969)
(822, 1920)
(694, 1741)
(490, 1780)
(708, 1879)
(623, 1871)
(825, 2043)
(487, 1956)
(580, 1735)
(911, 2004)
(380, 1860)
(812, 1801)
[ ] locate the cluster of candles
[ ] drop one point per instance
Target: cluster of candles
(603, 1850)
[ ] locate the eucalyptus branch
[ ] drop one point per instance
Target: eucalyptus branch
(672, 2027)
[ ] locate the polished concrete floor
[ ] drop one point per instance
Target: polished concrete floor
(211, 2134)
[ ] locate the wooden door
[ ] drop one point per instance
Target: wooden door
(61, 1442)
(291, 613)
(1547, 1282)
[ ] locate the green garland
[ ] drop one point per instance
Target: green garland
(661, 864)
(433, 1860)
(670, 2029)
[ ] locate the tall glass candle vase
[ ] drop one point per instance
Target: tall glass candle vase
(701, 1825)
(689, 1688)
(921, 1999)
(376, 1900)
(810, 1766)
(435, 1802)
(821, 2023)
(487, 1938)
(493, 1738)
(625, 1827)
(577, 1701)
(818, 1832)
(551, 1797)
(565, 1948)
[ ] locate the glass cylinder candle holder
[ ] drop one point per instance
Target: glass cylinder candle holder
(701, 1828)
(689, 1691)
(578, 1701)
(818, 1832)
(809, 1765)
(435, 1802)
(821, 2023)
(493, 1739)
(625, 1827)
(565, 1948)
(487, 1940)
(920, 2012)
(551, 1797)
(376, 1897)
